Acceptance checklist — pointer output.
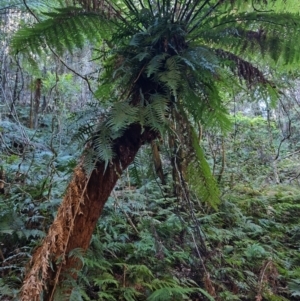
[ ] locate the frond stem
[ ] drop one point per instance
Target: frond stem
(174, 11)
(206, 15)
(193, 9)
(72, 70)
(158, 7)
(113, 7)
(198, 11)
(234, 21)
(131, 6)
(141, 3)
(150, 7)
(30, 11)
(186, 7)
(259, 21)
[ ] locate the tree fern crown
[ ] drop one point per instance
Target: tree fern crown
(164, 55)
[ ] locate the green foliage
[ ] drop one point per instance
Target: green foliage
(251, 242)
(199, 169)
(62, 28)
(152, 244)
(161, 57)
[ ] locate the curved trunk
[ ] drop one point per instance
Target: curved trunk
(77, 218)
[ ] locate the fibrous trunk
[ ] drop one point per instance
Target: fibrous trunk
(77, 217)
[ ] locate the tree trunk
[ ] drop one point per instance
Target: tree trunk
(77, 218)
(37, 97)
(157, 162)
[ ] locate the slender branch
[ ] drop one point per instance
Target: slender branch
(223, 162)
(289, 131)
(125, 213)
(57, 56)
(72, 70)
(140, 73)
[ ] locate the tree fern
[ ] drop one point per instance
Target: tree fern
(160, 54)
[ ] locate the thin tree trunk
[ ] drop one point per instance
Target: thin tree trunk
(31, 114)
(15, 92)
(37, 97)
(157, 162)
(77, 218)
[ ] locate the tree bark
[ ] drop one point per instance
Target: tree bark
(37, 97)
(77, 217)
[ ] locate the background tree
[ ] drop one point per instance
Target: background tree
(167, 57)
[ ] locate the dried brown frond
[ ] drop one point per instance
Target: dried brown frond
(268, 280)
(209, 286)
(243, 69)
(54, 245)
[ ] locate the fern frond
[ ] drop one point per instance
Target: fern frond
(89, 162)
(171, 293)
(66, 28)
(243, 69)
(171, 76)
(154, 114)
(102, 144)
(251, 33)
(201, 57)
(156, 63)
(200, 177)
(121, 115)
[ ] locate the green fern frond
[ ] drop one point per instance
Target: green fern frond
(154, 114)
(156, 63)
(89, 162)
(172, 75)
(66, 28)
(266, 33)
(201, 57)
(200, 178)
(199, 175)
(243, 69)
(121, 116)
(102, 144)
(107, 279)
(171, 293)
(134, 173)
(204, 104)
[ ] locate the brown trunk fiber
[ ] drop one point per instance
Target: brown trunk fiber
(77, 218)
